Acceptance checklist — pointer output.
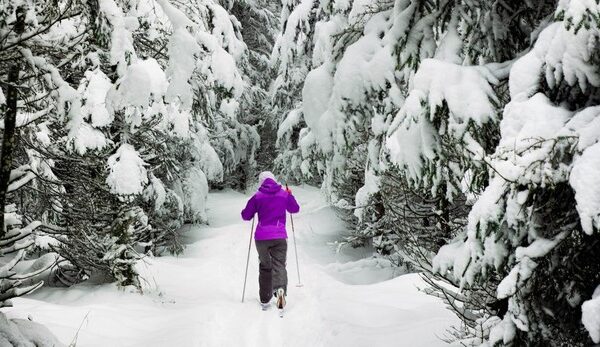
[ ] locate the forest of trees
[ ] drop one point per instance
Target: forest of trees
(117, 118)
(457, 137)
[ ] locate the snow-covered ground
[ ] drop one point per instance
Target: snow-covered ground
(195, 299)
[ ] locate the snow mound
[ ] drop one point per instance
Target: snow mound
(25, 333)
(127, 172)
(590, 315)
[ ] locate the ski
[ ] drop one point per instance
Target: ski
(280, 313)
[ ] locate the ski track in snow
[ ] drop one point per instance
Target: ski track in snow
(195, 299)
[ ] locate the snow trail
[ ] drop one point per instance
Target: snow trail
(195, 299)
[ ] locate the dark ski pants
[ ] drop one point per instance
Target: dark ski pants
(272, 273)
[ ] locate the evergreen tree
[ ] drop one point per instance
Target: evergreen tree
(128, 110)
(258, 23)
(532, 233)
(291, 60)
(406, 113)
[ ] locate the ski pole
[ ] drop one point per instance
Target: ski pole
(248, 258)
(295, 248)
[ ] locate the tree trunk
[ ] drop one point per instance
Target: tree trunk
(10, 118)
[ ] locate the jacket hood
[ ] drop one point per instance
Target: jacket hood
(269, 186)
(264, 175)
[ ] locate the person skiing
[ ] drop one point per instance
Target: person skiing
(271, 202)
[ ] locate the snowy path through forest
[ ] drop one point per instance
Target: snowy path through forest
(194, 299)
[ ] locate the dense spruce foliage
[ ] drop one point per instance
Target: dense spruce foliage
(459, 137)
(124, 113)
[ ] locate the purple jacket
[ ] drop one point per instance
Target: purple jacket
(270, 202)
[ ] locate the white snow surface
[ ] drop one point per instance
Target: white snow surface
(121, 37)
(348, 298)
(144, 80)
(317, 89)
(590, 315)
(412, 140)
(363, 194)
(127, 172)
(585, 181)
(95, 95)
(285, 128)
(182, 50)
